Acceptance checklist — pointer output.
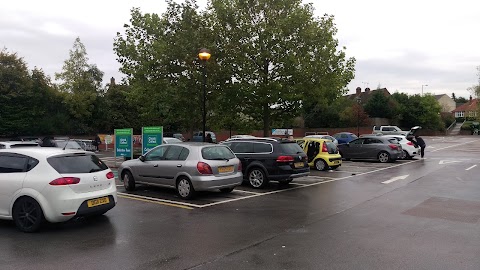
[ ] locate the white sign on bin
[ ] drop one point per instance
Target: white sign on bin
(108, 139)
(282, 131)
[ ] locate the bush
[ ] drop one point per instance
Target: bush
(466, 125)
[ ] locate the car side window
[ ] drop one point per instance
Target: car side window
(31, 164)
(2, 146)
(173, 152)
(12, 164)
(301, 143)
(262, 148)
(156, 153)
(344, 136)
(242, 147)
(357, 141)
(184, 154)
(375, 141)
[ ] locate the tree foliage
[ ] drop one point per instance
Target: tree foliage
(381, 106)
(82, 84)
(419, 110)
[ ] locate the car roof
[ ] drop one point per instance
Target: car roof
(19, 142)
(315, 139)
(42, 152)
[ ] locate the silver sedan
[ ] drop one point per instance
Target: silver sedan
(187, 167)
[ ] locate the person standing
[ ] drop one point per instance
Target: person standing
(422, 144)
(97, 143)
(209, 138)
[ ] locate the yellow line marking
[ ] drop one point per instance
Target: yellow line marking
(151, 201)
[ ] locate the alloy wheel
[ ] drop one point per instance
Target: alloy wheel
(256, 178)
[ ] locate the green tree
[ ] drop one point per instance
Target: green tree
(82, 84)
(159, 56)
(280, 54)
(382, 106)
(419, 111)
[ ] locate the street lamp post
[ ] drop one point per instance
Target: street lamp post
(359, 100)
(423, 86)
(204, 55)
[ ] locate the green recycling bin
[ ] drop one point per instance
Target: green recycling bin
(475, 126)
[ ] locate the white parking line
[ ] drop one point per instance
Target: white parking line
(468, 169)
(245, 191)
(158, 200)
(455, 145)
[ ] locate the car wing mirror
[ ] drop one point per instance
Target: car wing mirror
(142, 158)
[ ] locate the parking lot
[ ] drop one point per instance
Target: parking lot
(364, 215)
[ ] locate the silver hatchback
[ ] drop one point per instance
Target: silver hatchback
(187, 167)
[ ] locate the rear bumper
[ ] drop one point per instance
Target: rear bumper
(202, 183)
(290, 174)
(84, 210)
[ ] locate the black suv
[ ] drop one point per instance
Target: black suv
(265, 159)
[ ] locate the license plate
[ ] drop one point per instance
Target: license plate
(298, 165)
(225, 169)
(97, 202)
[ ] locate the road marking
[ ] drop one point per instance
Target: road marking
(245, 191)
(149, 200)
(468, 169)
(448, 161)
(455, 145)
(401, 177)
(158, 200)
(298, 184)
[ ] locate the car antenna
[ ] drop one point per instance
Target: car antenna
(66, 144)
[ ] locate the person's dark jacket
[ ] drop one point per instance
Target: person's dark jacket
(420, 142)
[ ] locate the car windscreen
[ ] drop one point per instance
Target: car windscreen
(290, 148)
(331, 147)
(23, 145)
(217, 153)
(77, 163)
(353, 136)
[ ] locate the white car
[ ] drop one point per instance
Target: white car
(409, 149)
(38, 184)
(16, 144)
(327, 137)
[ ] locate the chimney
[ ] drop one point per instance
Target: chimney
(470, 98)
(359, 90)
(112, 81)
(367, 90)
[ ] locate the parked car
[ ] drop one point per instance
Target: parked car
(327, 137)
(265, 159)
(197, 136)
(409, 149)
(321, 153)
(344, 137)
(372, 147)
(25, 139)
(17, 144)
(389, 130)
(52, 184)
(63, 143)
(187, 167)
(174, 135)
(167, 140)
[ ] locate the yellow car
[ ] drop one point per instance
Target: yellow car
(321, 153)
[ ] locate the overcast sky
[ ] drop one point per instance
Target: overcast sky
(399, 45)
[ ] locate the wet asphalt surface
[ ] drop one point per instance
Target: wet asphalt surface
(425, 216)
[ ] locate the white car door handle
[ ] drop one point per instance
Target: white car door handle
(179, 165)
(156, 165)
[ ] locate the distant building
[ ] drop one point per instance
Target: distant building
(468, 109)
(367, 94)
(447, 103)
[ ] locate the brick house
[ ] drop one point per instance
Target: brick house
(468, 109)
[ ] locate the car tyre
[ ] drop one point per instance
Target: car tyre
(257, 177)
(320, 165)
(185, 188)
(226, 190)
(28, 215)
(383, 157)
(406, 155)
(128, 181)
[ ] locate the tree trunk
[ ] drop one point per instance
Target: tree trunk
(266, 120)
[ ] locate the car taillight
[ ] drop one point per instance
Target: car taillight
(324, 148)
(393, 146)
(285, 159)
(63, 181)
(204, 168)
(409, 143)
(239, 168)
(110, 175)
